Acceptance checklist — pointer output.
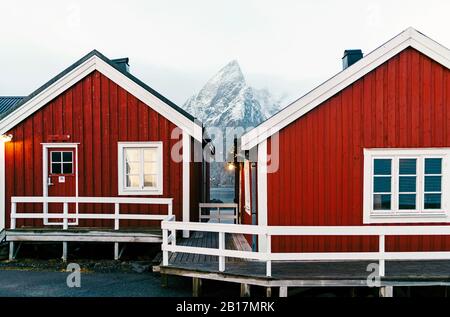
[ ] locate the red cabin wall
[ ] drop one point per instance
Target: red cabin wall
(404, 103)
(97, 114)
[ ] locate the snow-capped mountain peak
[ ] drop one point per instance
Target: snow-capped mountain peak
(227, 101)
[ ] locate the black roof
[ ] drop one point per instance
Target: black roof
(7, 103)
(19, 101)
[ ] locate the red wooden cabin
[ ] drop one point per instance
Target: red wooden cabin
(369, 146)
(95, 130)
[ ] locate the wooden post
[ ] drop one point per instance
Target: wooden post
(64, 253)
(245, 290)
(11, 251)
(268, 291)
(196, 287)
(387, 291)
(116, 251)
(269, 252)
(283, 291)
(221, 249)
(116, 215)
(164, 280)
(381, 249)
(164, 245)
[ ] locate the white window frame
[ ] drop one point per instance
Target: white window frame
(395, 215)
(123, 190)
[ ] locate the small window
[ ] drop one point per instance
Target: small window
(61, 162)
(140, 168)
(404, 185)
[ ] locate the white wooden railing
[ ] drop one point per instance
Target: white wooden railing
(219, 216)
(268, 231)
(66, 216)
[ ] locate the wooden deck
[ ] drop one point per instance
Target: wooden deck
(297, 274)
(138, 235)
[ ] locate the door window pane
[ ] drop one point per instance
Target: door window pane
(67, 168)
(56, 168)
(67, 157)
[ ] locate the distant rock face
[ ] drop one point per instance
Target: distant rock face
(227, 101)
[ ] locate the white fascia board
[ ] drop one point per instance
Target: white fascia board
(84, 69)
(408, 38)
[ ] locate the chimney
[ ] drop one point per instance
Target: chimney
(122, 64)
(351, 57)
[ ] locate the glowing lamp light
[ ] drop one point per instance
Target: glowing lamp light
(6, 138)
(230, 166)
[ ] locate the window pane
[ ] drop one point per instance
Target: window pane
(407, 184)
(381, 184)
(132, 181)
(132, 155)
(150, 155)
(67, 157)
(407, 166)
(150, 168)
(433, 166)
(150, 180)
(381, 202)
(56, 168)
(432, 183)
(133, 168)
(432, 201)
(67, 168)
(56, 156)
(407, 201)
(382, 167)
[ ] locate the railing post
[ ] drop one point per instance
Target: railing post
(218, 213)
(268, 254)
(170, 208)
(66, 214)
(164, 247)
(13, 215)
(381, 250)
(221, 249)
(116, 213)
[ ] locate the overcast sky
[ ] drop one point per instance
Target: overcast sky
(287, 46)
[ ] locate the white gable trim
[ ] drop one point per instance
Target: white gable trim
(78, 73)
(408, 38)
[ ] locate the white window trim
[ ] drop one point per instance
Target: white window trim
(123, 191)
(437, 216)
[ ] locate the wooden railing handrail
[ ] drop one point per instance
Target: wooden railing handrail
(268, 231)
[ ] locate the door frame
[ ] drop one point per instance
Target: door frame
(45, 165)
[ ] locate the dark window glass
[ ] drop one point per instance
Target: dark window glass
(381, 202)
(56, 157)
(381, 184)
(67, 168)
(432, 201)
(432, 183)
(382, 167)
(433, 166)
(67, 157)
(407, 201)
(407, 184)
(56, 168)
(407, 166)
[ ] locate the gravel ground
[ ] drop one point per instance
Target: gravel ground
(20, 283)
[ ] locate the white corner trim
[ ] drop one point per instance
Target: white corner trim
(84, 69)
(262, 192)
(395, 216)
(2, 187)
(122, 190)
(247, 203)
(186, 179)
(317, 96)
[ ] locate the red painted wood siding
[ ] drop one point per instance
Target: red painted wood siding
(98, 114)
(404, 103)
